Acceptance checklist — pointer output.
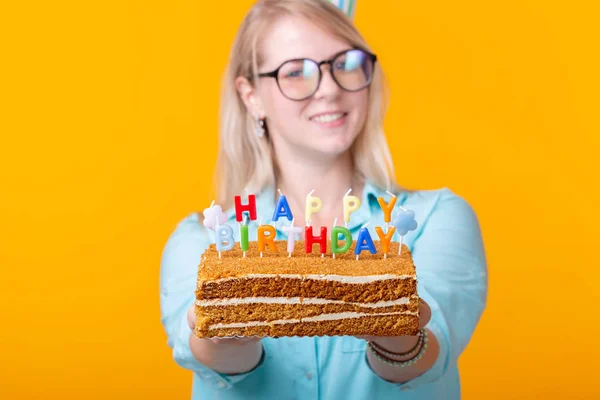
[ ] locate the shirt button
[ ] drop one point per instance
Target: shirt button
(308, 375)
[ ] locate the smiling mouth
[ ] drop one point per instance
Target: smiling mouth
(327, 118)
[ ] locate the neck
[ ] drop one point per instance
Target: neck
(330, 178)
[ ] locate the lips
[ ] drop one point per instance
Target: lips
(327, 117)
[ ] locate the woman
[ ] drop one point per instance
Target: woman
(302, 109)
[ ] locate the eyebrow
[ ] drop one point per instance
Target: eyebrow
(311, 58)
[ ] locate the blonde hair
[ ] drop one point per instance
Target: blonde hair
(246, 160)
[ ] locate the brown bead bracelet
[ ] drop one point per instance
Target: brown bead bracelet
(408, 354)
(420, 349)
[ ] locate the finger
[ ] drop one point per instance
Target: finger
(366, 337)
(191, 317)
(234, 340)
(424, 313)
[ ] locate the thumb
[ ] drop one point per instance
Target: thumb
(191, 317)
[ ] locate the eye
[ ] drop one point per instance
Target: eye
(294, 74)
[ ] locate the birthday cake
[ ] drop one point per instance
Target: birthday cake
(305, 294)
(346, 287)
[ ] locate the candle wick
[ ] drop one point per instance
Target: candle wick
(390, 193)
(212, 204)
(310, 194)
(279, 190)
(348, 192)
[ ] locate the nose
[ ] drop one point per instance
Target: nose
(328, 87)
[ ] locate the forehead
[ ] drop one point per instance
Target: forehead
(291, 37)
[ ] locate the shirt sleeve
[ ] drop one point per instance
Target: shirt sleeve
(178, 274)
(452, 278)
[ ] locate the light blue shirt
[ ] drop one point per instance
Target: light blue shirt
(448, 253)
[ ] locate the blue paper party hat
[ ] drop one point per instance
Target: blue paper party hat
(347, 6)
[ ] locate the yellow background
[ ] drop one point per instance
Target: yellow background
(108, 138)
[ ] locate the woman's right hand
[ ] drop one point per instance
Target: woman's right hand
(231, 355)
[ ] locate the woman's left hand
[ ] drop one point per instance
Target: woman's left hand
(401, 344)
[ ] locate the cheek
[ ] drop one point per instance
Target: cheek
(282, 113)
(360, 108)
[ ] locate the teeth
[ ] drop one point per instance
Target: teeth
(328, 117)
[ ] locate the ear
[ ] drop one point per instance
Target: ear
(249, 96)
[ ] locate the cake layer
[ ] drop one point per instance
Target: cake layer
(346, 324)
(232, 264)
(389, 289)
(210, 315)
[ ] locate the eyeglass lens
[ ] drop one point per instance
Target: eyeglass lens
(299, 79)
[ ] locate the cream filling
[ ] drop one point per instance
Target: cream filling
(295, 300)
(322, 277)
(322, 317)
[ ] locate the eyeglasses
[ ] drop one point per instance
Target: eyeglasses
(299, 79)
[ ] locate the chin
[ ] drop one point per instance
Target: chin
(329, 148)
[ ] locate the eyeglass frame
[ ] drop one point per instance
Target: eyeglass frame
(275, 72)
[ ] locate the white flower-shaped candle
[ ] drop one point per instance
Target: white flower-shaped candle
(404, 221)
(214, 219)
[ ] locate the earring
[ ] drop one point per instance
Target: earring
(260, 127)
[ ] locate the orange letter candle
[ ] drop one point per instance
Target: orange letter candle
(264, 238)
(387, 208)
(385, 238)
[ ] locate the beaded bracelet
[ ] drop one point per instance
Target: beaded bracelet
(408, 354)
(406, 363)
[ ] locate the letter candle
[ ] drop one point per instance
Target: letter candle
(333, 234)
(244, 235)
(364, 236)
(291, 231)
(263, 238)
(282, 209)
(387, 208)
(351, 204)
(385, 238)
(310, 239)
(313, 205)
